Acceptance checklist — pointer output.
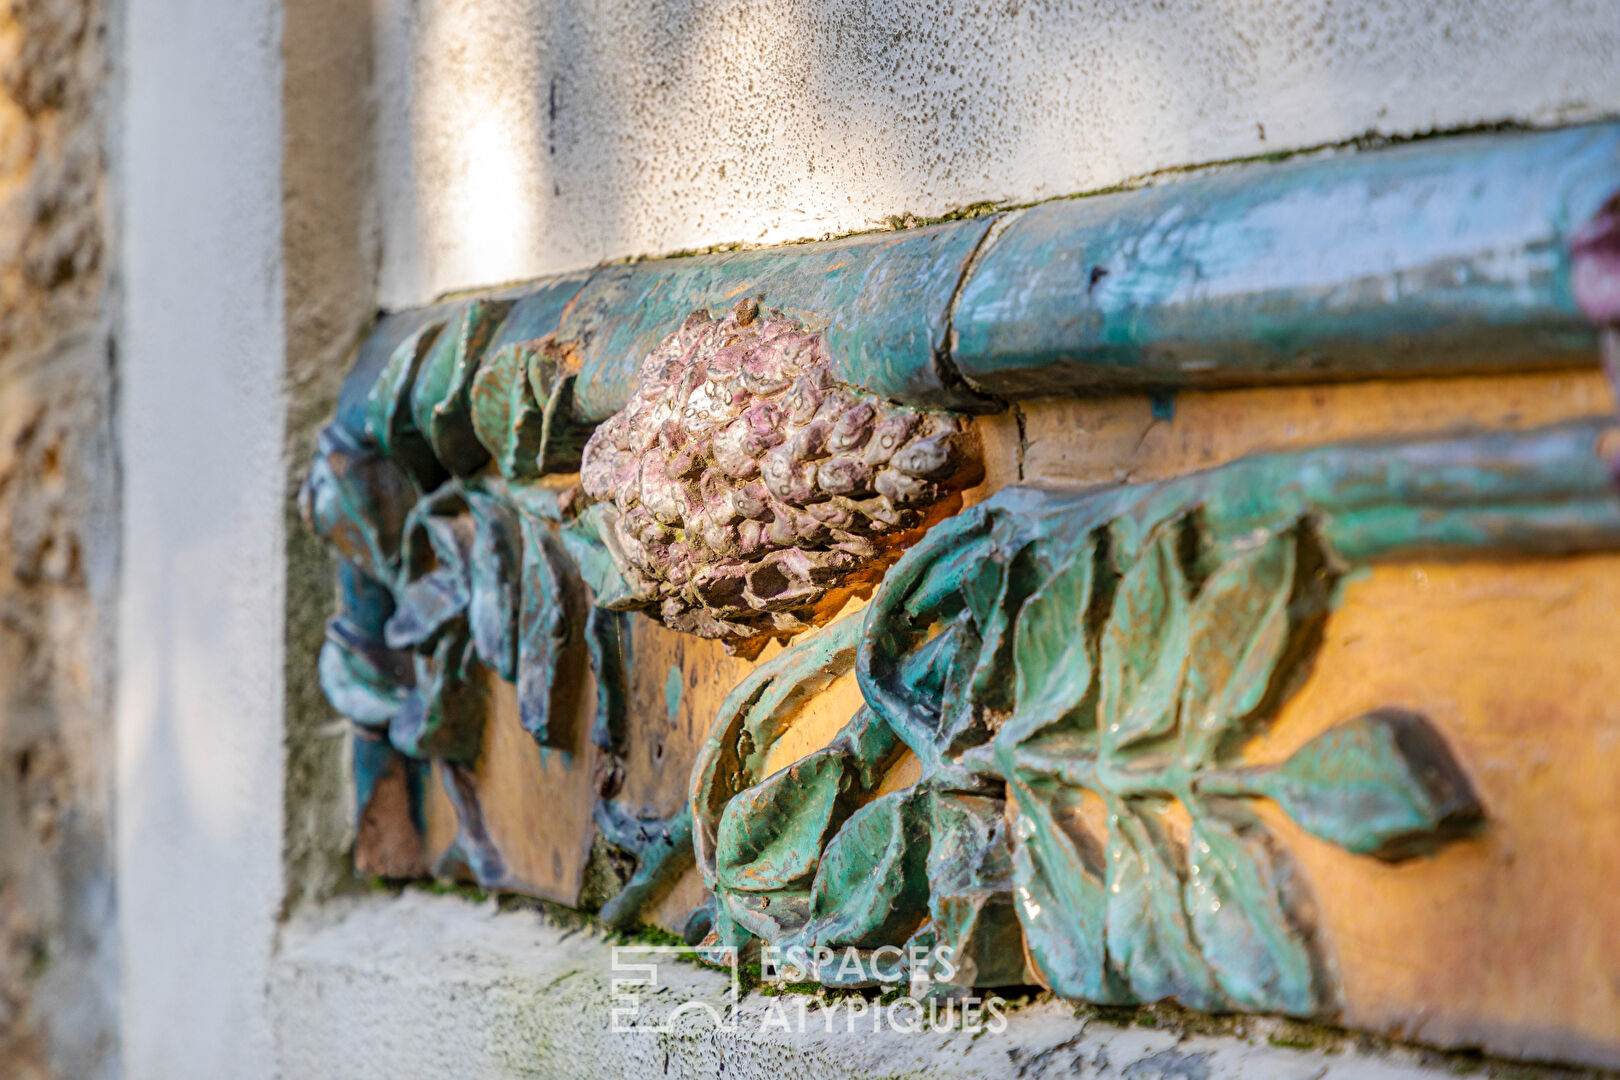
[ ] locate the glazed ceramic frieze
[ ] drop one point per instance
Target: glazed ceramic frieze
(1100, 739)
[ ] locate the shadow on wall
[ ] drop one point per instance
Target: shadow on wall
(524, 137)
(519, 138)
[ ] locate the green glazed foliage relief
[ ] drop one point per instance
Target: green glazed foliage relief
(1098, 662)
(1077, 674)
(466, 563)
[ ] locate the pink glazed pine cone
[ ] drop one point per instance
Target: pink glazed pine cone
(753, 491)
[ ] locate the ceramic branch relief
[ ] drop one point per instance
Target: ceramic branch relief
(1077, 676)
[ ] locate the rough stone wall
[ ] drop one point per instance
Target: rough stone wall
(58, 544)
(330, 255)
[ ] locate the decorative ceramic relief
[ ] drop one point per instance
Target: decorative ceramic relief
(1077, 677)
(1059, 766)
(750, 492)
(465, 559)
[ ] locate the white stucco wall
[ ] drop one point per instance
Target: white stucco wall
(201, 418)
(519, 138)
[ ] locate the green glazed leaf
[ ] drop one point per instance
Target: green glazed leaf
(771, 835)
(940, 580)
(542, 629)
(1144, 647)
(727, 932)
(582, 538)
(936, 677)
(563, 435)
(968, 843)
(988, 687)
(1239, 630)
(751, 719)
(872, 886)
(1383, 784)
(1051, 653)
(871, 746)
(932, 584)
(507, 419)
(435, 582)
(495, 577)
(473, 851)
(376, 760)
(980, 928)
(982, 587)
(607, 639)
(960, 722)
(359, 501)
(363, 680)
(926, 670)
(1234, 899)
(389, 423)
(1059, 894)
(441, 399)
(769, 916)
(444, 716)
(1149, 936)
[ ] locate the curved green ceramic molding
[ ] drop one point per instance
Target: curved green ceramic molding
(1445, 255)
(883, 299)
(1441, 255)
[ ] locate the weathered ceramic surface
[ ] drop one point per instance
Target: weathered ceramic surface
(1044, 743)
(883, 300)
(1464, 947)
(1449, 255)
(1214, 580)
(1446, 255)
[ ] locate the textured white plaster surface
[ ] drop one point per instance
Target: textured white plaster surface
(199, 714)
(525, 137)
(426, 986)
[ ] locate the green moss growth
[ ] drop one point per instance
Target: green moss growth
(607, 871)
(554, 913)
(647, 934)
(442, 887)
(961, 213)
(1301, 1034)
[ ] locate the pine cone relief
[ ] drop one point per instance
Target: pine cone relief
(752, 491)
